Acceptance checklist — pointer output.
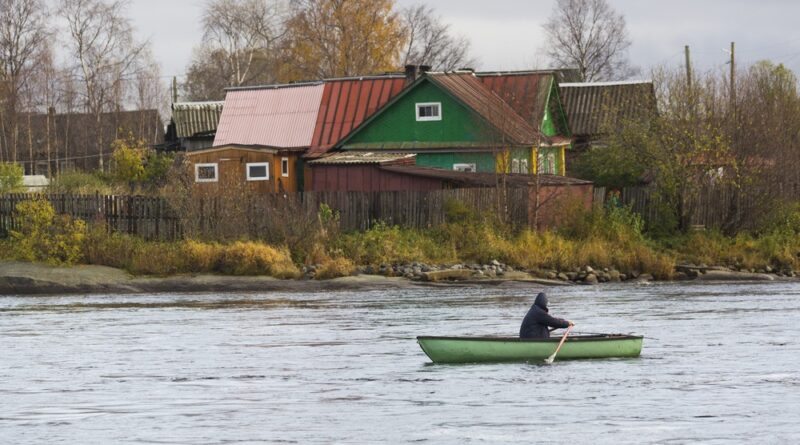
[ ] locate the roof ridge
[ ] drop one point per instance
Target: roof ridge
(605, 84)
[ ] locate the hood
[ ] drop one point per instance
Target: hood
(541, 301)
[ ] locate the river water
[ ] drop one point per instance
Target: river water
(720, 364)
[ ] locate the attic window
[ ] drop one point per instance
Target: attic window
(206, 172)
(429, 111)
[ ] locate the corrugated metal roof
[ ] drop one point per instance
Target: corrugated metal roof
(499, 114)
(483, 179)
(526, 92)
(346, 103)
(276, 117)
(592, 107)
(363, 158)
(193, 118)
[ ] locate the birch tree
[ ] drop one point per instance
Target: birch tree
(23, 38)
(590, 36)
(333, 38)
(106, 55)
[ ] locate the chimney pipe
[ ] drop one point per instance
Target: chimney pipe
(411, 73)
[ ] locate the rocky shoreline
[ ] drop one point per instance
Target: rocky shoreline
(586, 275)
(17, 278)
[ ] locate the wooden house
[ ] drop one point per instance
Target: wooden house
(478, 122)
(596, 109)
(261, 135)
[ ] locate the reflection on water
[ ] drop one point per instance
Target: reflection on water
(720, 364)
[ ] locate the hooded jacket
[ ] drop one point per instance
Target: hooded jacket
(537, 320)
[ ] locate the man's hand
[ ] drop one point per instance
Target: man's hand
(570, 323)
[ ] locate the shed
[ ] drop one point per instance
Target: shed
(193, 125)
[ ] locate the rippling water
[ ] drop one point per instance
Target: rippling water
(720, 364)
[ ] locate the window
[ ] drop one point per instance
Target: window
(547, 163)
(258, 171)
(515, 166)
(206, 172)
(285, 167)
(523, 166)
(431, 111)
(464, 167)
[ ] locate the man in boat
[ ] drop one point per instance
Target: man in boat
(537, 321)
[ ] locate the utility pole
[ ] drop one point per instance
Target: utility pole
(174, 89)
(688, 68)
(733, 80)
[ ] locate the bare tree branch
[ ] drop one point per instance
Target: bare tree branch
(590, 36)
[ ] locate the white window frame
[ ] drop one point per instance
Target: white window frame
(197, 168)
(420, 105)
(285, 173)
(523, 166)
(515, 166)
(257, 164)
(462, 166)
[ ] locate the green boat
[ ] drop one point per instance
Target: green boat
(512, 349)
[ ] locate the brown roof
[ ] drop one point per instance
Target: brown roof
(467, 88)
(526, 92)
(483, 179)
(346, 103)
(592, 107)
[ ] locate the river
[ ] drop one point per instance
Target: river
(720, 364)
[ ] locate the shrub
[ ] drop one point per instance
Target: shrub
(335, 268)
(45, 236)
(249, 258)
(10, 177)
(79, 183)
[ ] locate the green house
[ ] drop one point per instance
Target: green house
(484, 122)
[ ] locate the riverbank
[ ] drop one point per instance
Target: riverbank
(20, 278)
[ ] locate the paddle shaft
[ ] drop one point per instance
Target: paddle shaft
(560, 344)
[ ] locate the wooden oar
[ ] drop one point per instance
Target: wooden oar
(549, 360)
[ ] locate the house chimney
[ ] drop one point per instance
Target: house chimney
(411, 73)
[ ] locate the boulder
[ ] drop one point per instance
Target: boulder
(590, 279)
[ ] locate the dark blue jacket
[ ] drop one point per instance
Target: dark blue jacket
(537, 320)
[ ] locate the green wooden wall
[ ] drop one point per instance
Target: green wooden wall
(398, 123)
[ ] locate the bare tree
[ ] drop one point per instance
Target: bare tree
(23, 37)
(590, 36)
(246, 30)
(429, 42)
(105, 52)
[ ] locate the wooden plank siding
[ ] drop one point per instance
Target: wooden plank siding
(232, 169)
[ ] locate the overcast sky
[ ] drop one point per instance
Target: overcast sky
(507, 34)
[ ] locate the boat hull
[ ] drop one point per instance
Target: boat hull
(501, 349)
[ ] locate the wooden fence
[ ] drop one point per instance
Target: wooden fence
(718, 207)
(262, 216)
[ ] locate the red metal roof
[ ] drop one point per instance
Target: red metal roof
(346, 103)
(526, 92)
(280, 116)
(499, 114)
